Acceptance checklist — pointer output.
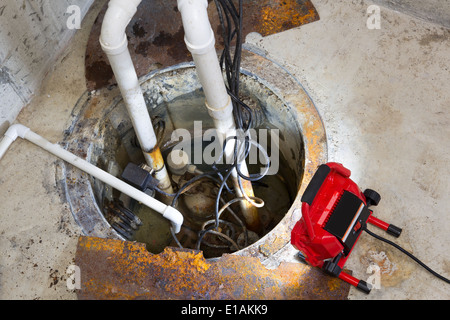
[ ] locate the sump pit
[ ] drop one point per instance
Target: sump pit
(175, 100)
(187, 112)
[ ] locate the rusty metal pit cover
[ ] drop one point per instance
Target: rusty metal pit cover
(156, 33)
(113, 269)
(86, 133)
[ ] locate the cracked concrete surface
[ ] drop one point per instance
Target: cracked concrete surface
(383, 96)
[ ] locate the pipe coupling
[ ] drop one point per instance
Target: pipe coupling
(204, 48)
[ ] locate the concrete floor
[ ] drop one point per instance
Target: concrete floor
(383, 95)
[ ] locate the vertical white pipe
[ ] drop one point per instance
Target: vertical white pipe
(200, 41)
(114, 43)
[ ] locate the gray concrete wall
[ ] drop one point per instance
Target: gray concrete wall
(436, 11)
(32, 35)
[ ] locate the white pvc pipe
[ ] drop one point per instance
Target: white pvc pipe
(18, 130)
(114, 43)
(200, 41)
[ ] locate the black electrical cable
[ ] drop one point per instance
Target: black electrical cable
(231, 21)
(254, 176)
(202, 234)
(157, 189)
(209, 175)
(174, 236)
(230, 169)
(407, 253)
(219, 193)
(247, 109)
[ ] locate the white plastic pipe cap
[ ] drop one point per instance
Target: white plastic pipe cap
(178, 161)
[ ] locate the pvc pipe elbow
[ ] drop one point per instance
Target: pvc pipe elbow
(199, 36)
(173, 215)
(16, 130)
(113, 39)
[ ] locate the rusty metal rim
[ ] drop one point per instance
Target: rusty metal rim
(114, 269)
(285, 86)
(290, 90)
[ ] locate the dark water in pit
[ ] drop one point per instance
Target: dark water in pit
(155, 232)
(277, 191)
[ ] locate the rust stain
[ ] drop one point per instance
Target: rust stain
(278, 16)
(273, 245)
(315, 138)
(91, 109)
(157, 159)
(334, 283)
(100, 73)
(156, 35)
(114, 269)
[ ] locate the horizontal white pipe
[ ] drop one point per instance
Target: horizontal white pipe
(114, 43)
(18, 130)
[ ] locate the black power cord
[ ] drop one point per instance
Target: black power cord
(231, 21)
(407, 253)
